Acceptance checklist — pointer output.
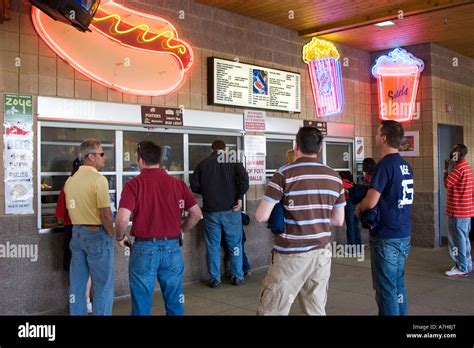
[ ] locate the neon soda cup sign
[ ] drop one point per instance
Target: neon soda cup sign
(398, 75)
(325, 72)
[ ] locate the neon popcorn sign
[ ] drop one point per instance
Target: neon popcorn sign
(398, 75)
(325, 72)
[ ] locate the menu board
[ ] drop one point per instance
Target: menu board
(237, 84)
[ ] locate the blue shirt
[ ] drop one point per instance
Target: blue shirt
(393, 179)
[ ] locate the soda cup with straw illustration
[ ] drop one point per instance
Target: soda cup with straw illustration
(325, 72)
(397, 74)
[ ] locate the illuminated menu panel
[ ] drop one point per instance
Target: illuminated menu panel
(236, 84)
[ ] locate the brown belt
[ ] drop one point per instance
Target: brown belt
(154, 239)
(94, 228)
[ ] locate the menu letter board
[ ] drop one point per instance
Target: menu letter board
(237, 84)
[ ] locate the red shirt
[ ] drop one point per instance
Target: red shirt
(347, 185)
(459, 185)
(157, 201)
(61, 210)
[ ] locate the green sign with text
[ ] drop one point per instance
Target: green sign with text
(18, 108)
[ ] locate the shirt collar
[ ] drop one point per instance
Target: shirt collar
(86, 167)
(151, 170)
(461, 162)
(306, 159)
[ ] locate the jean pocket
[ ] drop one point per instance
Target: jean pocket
(406, 249)
(94, 244)
(141, 260)
(175, 258)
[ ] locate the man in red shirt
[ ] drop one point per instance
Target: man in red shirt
(157, 201)
(460, 209)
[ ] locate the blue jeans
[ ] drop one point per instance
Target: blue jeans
(229, 224)
(352, 224)
(245, 259)
(91, 253)
(388, 256)
(150, 261)
(459, 244)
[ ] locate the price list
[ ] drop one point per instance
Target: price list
(238, 84)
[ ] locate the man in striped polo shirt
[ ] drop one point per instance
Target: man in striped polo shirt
(313, 198)
(460, 208)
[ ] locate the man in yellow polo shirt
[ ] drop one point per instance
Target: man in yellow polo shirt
(92, 247)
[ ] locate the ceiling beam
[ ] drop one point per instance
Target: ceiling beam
(412, 9)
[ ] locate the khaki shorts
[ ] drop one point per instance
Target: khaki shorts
(303, 275)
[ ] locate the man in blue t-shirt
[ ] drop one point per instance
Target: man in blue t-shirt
(390, 198)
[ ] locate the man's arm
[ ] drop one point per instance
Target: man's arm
(194, 215)
(451, 178)
(337, 217)
(242, 180)
(107, 221)
(195, 180)
(369, 201)
(264, 211)
(121, 222)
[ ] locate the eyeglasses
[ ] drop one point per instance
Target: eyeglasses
(101, 154)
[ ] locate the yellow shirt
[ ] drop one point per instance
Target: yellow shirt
(86, 192)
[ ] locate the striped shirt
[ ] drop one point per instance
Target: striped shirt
(309, 191)
(459, 185)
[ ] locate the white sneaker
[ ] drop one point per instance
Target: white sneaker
(89, 306)
(455, 272)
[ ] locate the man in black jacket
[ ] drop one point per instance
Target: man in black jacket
(222, 185)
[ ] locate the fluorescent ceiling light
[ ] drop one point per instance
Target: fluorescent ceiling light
(384, 24)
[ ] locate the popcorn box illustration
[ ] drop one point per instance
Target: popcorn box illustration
(398, 75)
(325, 72)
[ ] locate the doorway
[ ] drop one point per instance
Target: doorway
(448, 136)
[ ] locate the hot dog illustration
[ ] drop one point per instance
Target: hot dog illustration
(126, 50)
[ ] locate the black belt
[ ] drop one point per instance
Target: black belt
(154, 239)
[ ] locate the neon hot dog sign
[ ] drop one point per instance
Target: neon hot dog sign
(126, 50)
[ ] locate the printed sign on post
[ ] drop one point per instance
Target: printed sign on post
(18, 109)
(254, 120)
(359, 148)
(255, 145)
(256, 170)
(18, 153)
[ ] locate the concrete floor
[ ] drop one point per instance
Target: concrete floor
(430, 292)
